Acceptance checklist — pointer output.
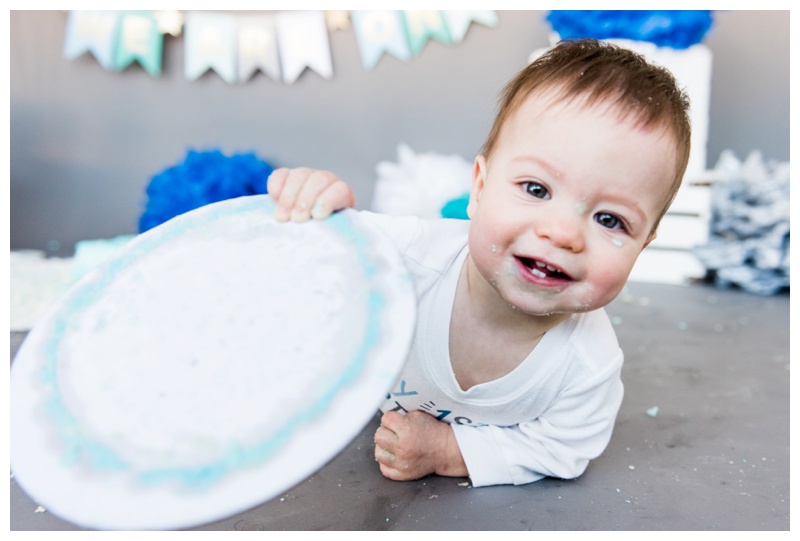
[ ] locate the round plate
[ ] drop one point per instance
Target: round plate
(217, 361)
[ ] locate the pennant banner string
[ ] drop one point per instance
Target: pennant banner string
(280, 45)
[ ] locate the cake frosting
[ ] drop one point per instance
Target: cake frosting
(164, 364)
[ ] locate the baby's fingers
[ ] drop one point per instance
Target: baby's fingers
(385, 439)
(302, 193)
(308, 200)
(336, 196)
(283, 186)
(276, 181)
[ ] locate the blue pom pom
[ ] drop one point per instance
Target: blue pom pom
(678, 29)
(202, 178)
(456, 208)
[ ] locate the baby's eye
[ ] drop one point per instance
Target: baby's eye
(609, 220)
(536, 190)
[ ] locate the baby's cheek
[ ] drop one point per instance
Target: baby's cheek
(610, 281)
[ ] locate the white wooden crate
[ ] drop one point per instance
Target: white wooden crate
(669, 258)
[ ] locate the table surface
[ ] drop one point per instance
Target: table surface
(713, 456)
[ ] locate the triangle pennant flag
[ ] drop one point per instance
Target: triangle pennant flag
(210, 44)
(337, 19)
(139, 39)
(94, 31)
(378, 32)
(170, 22)
(303, 42)
(458, 22)
(422, 26)
(258, 46)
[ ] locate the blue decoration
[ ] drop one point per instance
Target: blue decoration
(203, 178)
(456, 208)
(678, 29)
(749, 241)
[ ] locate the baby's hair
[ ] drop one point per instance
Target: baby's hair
(600, 71)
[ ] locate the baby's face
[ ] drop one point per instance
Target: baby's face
(565, 204)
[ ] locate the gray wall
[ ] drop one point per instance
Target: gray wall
(85, 141)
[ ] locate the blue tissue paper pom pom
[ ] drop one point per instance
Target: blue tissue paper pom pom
(202, 178)
(456, 208)
(678, 29)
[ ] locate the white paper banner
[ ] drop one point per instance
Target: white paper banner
(258, 47)
(458, 22)
(337, 19)
(210, 43)
(281, 45)
(378, 32)
(422, 26)
(170, 22)
(94, 31)
(303, 42)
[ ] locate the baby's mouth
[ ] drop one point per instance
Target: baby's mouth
(543, 270)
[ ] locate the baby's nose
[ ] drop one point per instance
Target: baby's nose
(563, 232)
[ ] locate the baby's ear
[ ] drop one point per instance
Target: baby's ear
(478, 180)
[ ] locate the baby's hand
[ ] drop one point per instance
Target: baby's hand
(415, 445)
(304, 193)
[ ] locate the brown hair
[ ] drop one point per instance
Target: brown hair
(602, 71)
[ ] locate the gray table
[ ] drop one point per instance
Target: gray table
(714, 456)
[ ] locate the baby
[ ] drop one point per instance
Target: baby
(514, 371)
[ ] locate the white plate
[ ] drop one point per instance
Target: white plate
(217, 361)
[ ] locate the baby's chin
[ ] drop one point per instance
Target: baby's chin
(543, 312)
(550, 307)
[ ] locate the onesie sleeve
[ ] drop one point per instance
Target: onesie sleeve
(399, 230)
(559, 443)
(428, 246)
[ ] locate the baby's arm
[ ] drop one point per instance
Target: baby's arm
(415, 445)
(575, 429)
(304, 193)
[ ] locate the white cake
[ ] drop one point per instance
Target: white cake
(211, 344)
